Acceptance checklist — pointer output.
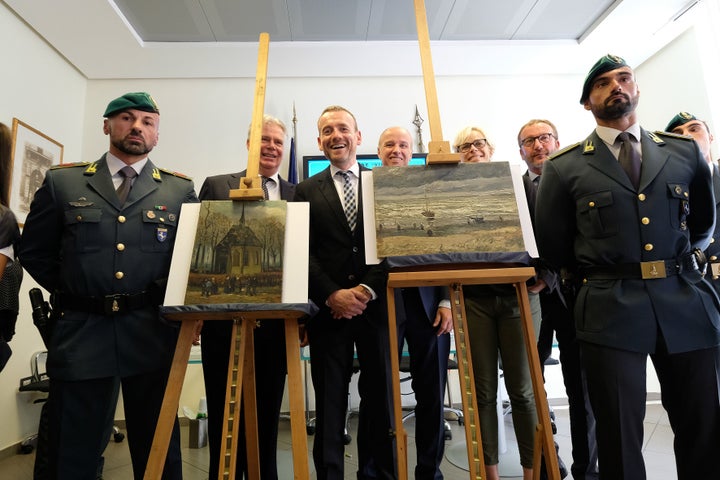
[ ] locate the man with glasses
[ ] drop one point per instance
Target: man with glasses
(629, 213)
(538, 140)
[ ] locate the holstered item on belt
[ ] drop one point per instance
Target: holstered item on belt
(107, 305)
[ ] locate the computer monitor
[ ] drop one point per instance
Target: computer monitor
(313, 164)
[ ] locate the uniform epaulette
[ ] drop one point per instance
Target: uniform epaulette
(673, 135)
(69, 165)
(564, 150)
(174, 174)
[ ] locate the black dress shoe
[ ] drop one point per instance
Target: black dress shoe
(551, 361)
(561, 466)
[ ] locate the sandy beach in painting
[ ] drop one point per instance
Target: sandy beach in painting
(446, 209)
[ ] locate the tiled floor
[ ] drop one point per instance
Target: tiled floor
(658, 450)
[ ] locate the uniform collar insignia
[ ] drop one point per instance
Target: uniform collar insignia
(91, 169)
(156, 175)
(656, 139)
(588, 148)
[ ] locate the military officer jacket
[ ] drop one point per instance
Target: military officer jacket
(589, 214)
(79, 240)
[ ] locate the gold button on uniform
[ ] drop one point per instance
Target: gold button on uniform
(591, 204)
(79, 218)
(121, 247)
(121, 219)
(713, 258)
(119, 275)
(641, 197)
(649, 247)
(645, 220)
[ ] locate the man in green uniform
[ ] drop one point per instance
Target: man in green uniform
(99, 237)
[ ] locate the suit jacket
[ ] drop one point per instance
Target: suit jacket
(80, 240)
(589, 214)
(218, 187)
(337, 254)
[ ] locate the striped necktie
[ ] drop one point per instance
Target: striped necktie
(349, 203)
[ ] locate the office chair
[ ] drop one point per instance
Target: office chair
(39, 381)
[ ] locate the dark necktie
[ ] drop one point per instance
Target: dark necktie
(124, 189)
(533, 193)
(265, 187)
(349, 203)
(629, 159)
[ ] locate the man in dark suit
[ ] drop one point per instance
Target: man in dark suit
(424, 320)
(538, 139)
(105, 260)
(269, 336)
(685, 123)
(630, 217)
(353, 310)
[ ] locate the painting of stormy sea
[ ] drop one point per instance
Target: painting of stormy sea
(461, 208)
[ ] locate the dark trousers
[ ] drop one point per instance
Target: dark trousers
(428, 369)
(78, 414)
(270, 372)
(558, 318)
(332, 345)
(689, 383)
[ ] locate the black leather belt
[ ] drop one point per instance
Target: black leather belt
(640, 271)
(107, 305)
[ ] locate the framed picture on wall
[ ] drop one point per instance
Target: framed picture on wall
(33, 153)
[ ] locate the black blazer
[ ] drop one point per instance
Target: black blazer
(337, 255)
(219, 186)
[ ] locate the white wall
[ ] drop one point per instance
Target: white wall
(204, 127)
(42, 90)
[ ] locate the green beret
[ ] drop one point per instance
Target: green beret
(680, 119)
(605, 64)
(136, 101)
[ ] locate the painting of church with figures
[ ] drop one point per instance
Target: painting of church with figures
(238, 253)
(456, 208)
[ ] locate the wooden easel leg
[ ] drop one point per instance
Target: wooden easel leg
(249, 400)
(545, 429)
(473, 436)
(231, 420)
(400, 434)
(295, 393)
(537, 459)
(168, 411)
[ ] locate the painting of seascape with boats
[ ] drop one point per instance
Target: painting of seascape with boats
(461, 208)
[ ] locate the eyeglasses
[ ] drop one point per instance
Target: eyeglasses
(545, 138)
(465, 147)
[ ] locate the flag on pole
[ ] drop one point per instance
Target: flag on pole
(292, 168)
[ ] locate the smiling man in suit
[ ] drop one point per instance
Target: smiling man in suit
(353, 310)
(629, 212)
(269, 336)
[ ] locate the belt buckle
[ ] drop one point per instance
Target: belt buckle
(114, 304)
(651, 270)
(715, 270)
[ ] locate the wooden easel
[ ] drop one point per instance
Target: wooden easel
(455, 277)
(241, 363)
(438, 149)
(241, 374)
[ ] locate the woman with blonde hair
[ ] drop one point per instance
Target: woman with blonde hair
(496, 334)
(473, 145)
